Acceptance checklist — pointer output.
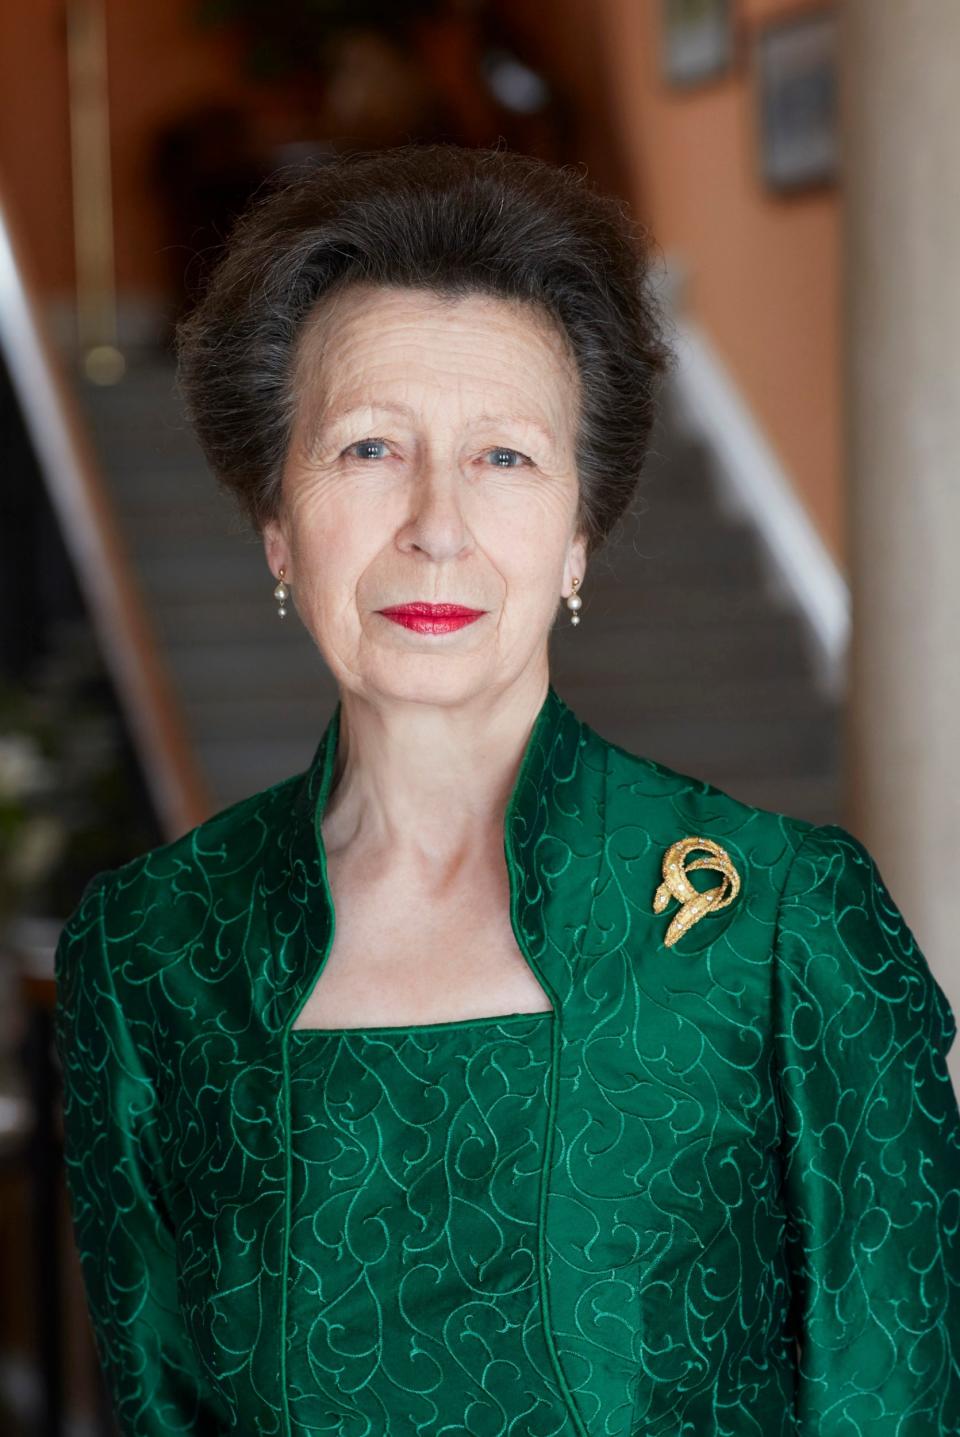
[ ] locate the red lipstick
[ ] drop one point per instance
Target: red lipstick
(432, 618)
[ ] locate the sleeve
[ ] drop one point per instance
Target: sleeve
(871, 1153)
(124, 1238)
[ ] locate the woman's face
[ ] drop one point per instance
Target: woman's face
(431, 460)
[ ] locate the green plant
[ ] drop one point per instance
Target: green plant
(67, 804)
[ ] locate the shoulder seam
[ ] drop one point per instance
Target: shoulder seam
(807, 833)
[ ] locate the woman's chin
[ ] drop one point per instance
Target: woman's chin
(428, 679)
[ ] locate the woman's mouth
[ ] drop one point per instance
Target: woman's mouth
(432, 618)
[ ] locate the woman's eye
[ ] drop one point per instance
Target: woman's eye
(504, 457)
(364, 446)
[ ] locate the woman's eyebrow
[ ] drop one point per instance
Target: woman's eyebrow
(343, 411)
(329, 416)
(517, 418)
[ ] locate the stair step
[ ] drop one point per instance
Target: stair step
(736, 748)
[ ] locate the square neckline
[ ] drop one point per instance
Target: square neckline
(477, 1021)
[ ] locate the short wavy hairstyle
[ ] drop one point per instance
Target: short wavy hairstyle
(454, 221)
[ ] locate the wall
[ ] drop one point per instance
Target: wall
(764, 271)
(34, 138)
(159, 62)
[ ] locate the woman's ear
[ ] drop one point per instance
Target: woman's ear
(576, 565)
(277, 549)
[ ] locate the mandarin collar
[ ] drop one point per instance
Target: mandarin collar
(554, 719)
(547, 798)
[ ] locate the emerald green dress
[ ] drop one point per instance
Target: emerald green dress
(713, 1191)
(416, 1157)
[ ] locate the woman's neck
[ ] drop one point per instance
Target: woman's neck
(427, 782)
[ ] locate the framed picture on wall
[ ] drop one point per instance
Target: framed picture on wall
(697, 40)
(796, 79)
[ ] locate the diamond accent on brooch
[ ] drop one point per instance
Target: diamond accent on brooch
(694, 905)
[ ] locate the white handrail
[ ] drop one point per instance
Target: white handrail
(80, 500)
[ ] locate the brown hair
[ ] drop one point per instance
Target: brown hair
(454, 221)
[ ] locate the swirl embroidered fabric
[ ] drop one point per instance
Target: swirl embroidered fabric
(416, 1162)
(745, 1214)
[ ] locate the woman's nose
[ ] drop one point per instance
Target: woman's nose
(437, 523)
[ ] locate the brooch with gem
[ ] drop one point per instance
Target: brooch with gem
(694, 905)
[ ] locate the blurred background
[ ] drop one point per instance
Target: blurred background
(778, 612)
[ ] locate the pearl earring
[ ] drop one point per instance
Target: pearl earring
(574, 603)
(281, 593)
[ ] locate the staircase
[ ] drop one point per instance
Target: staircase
(685, 652)
(689, 651)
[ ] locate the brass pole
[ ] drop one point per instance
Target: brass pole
(101, 359)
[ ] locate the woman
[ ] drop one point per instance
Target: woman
(487, 1077)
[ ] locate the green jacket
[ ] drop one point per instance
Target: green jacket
(750, 1200)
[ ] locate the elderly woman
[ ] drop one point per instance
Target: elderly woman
(486, 1077)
